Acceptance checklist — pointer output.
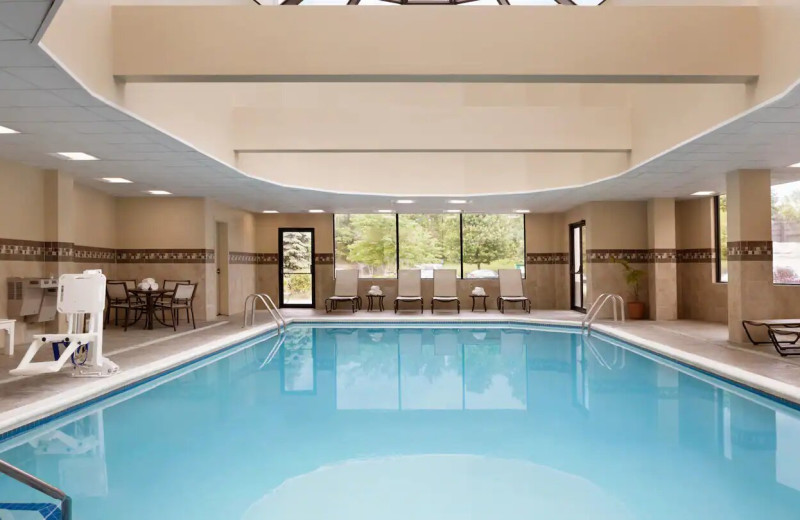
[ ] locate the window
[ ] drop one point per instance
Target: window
(429, 242)
(721, 245)
(493, 242)
(367, 242)
(786, 233)
(380, 244)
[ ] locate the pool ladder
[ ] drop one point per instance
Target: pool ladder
(598, 305)
(250, 305)
(40, 486)
(280, 321)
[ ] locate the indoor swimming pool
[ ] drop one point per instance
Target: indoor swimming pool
(439, 421)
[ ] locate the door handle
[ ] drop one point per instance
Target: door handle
(218, 271)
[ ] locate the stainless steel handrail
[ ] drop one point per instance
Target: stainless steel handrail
(39, 485)
(598, 305)
(271, 307)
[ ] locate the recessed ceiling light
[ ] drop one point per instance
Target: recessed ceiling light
(316, 211)
(452, 211)
(384, 211)
(522, 211)
(270, 211)
(6, 130)
(159, 192)
(116, 180)
(795, 165)
(703, 193)
(76, 156)
(404, 201)
(457, 201)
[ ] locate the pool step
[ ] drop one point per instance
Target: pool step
(30, 511)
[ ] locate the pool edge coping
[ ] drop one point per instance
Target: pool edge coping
(31, 415)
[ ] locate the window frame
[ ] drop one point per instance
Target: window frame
(717, 243)
(460, 242)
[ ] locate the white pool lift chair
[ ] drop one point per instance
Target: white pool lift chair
(78, 295)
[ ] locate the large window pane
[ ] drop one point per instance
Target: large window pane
(493, 242)
(429, 242)
(786, 233)
(367, 242)
(722, 238)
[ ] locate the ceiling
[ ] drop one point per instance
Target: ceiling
(55, 114)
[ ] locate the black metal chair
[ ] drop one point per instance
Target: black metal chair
(181, 299)
(120, 299)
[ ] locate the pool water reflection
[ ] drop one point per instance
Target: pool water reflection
(435, 422)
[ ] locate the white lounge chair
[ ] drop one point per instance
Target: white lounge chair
(511, 290)
(345, 290)
(409, 288)
(445, 288)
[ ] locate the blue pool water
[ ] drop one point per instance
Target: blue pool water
(366, 423)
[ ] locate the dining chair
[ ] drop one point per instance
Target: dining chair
(120, 299)
(181, 299)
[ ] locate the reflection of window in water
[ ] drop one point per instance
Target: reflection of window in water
(298, 361)
(414, 369)
(298, 372)
(495, 375)
(431, 375)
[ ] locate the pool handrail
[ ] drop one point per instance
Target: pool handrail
(598, 305)
(39, 485)
(271, 307)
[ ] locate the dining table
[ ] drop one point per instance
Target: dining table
(150, 297)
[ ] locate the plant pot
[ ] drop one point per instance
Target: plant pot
(635, 310)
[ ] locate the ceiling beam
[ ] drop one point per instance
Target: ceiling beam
(616, 44)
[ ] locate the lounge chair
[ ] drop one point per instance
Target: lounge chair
(776, 330)
(345, 290)
(511, 290)
(445, 288)
(409, 288)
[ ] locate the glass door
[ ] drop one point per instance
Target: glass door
(296, 263)
(577, 259)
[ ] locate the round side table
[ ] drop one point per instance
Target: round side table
(371, 302)
(475, 297)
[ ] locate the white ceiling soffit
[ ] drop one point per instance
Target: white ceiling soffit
(56, 114)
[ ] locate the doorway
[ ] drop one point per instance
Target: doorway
(221, 259)
(577, 263)
(296, 263)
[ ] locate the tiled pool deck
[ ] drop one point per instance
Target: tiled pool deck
(139, 353)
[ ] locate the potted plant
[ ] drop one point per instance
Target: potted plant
(633, 277)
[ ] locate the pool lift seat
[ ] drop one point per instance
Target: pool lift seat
(79, 295)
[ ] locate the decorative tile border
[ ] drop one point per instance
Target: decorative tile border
(242, 258)
(21, 250)
(94, 254)
(547, 258)
(37, 251)
(165, 256)
(750, 251)
(696, 256)
(605, 256)
(663, 256)
(267, 258)
(323, 258)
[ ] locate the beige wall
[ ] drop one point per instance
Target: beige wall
(95, 218)
(22, 202)
(241, 277)
(157, 41)
(700, 297)
(161, 223)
